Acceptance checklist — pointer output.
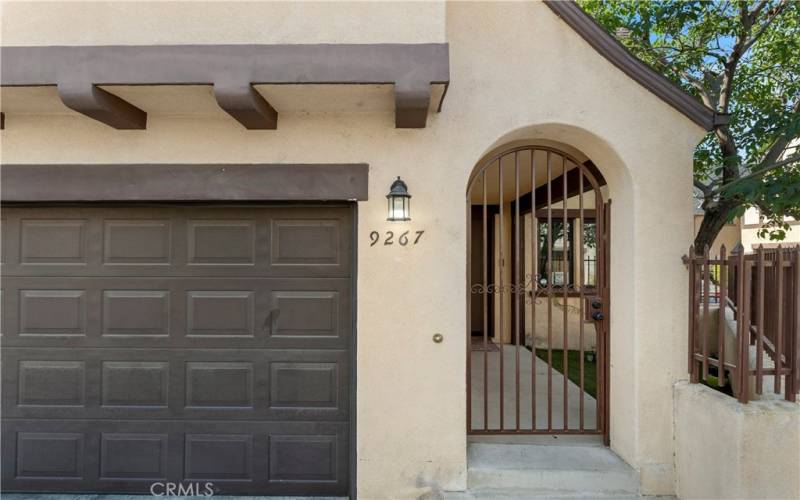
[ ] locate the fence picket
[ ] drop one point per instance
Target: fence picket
(763, 291)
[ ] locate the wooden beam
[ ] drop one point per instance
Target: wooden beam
(557, 187)
(412, 68)
(411, 100)
(94, 102)
(246, 105)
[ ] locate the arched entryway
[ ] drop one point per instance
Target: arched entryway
(537, 321)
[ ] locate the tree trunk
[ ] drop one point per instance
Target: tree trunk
(714, 220)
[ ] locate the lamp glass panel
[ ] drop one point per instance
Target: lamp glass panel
(399, 208)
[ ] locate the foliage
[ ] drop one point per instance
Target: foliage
(739, 58)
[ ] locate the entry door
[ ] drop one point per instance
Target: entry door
(177, 344)
(538, 343)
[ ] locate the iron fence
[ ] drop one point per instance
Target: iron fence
(756, 314)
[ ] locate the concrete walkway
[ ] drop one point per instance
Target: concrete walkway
(59, 496)
(579, 467)
(525, 407)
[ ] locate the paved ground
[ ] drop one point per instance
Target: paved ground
(43, 496)
(509, 393)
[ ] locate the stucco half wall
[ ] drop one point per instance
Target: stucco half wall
(724, 449)
(517, 73)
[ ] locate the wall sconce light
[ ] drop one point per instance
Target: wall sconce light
(399, 201)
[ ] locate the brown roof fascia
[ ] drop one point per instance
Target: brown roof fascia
(616, 53)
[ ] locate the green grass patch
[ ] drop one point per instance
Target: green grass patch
(713, 383)
(574, 367)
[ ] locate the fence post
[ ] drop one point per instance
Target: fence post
(793, 374)
(693, 374)
(706, 331)
(760, 333)
(723, 304)
(742, 329)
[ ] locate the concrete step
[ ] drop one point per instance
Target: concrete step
(507, 494)
(511, 471)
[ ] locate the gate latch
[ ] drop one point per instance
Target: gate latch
(597, 304)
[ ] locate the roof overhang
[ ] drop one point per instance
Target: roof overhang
(83, 75)
(616, 53)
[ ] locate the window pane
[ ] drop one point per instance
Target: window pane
(589, 253)
(560, 270)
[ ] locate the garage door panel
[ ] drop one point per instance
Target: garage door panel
(283, 313)
(178, 241)
(286, 458)
(176, 384)
(177, 343)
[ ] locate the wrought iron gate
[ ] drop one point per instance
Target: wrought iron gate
(537, 321)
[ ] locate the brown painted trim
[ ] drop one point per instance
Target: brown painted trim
(232, 69)
(616, 53)
(557, 187)
(2, 121)
(246, 106)
(572, 213)
(170, 182)
(94, 102)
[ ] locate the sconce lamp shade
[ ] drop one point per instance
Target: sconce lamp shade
(399, 201)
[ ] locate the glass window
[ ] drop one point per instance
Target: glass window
(564, 268)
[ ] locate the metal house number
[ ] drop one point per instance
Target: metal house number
(404, 239)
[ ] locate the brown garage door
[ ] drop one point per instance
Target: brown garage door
(180, 344)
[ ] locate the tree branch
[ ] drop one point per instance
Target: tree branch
(775, 13)
(705, 189)
(757, 173)
(779, 146)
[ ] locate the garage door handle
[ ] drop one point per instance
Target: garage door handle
(271, 321)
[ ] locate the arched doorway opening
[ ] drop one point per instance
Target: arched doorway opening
(538, 275)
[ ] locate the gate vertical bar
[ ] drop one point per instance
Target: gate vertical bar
(469, 309)
(502, 311)
(565, 273)
(606, 322)
(581, 280)
(600, 330)
(534, 286)
(517, 285)
(549, 271)
(485, 312)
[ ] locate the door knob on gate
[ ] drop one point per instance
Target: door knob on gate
(596, 304)
(598, 316)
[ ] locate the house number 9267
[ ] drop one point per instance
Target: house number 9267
(390, 238)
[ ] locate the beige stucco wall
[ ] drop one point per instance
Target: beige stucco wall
(724, 449)
(751, 225)
(517, 73)
(557, 333)
(115, 22)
